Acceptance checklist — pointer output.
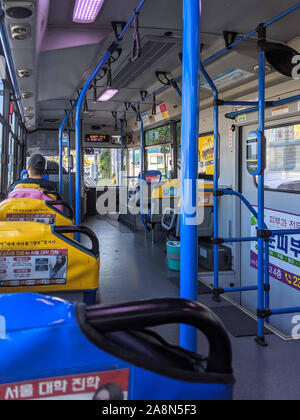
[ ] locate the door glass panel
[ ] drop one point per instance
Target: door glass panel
(159, 159)
(283, 158)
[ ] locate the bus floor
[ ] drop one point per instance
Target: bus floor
(132, 269)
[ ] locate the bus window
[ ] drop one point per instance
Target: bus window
(11, 166)
(13, 122)
(283, 158)
(158, 150)
(1, 96)
(102, 166)
(159, 159)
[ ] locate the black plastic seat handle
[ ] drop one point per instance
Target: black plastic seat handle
(85, 231)
(151, 313)
(64, 204)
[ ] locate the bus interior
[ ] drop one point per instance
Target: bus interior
(113, 106)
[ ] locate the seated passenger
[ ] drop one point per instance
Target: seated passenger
(36, 169)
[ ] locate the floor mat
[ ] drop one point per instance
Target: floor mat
(237, 322)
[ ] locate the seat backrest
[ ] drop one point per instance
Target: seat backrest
(32, 210)
(34, 194)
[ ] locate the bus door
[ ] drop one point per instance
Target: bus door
(282, 211)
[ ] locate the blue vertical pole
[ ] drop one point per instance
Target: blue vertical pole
(70, 174)
(216, 200)
(122, 151)
(189, 161)
(78, 139)
(261, 185)
(216, 178)
(267, 277)
(142, 173)
(60, 171)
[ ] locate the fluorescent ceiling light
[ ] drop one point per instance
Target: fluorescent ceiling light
(86, 11)
(107, 95)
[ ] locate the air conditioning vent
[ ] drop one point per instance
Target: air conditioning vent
(153, 49)
(29, 116)
(22, 73)
(51, 120)
(20, 32)
(19, 10)
(27, 95)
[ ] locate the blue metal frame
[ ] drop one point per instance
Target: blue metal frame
(69, 169)
(263, 276)
(216, 172)
(261, 197)
(60, 147)
(122, 150)
(189, 160)
(225, 51)
(190, 124)
(288, 100)
(79, 109)
(142, 167)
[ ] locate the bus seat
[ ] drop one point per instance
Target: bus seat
(50, 262)
(33, 210)
(35, 193)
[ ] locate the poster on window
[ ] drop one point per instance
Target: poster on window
(33, 268)
(206, 151)
(284, 249)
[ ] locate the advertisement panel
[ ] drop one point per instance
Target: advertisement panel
(284, 249)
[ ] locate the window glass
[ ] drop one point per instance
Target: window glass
(1, 96)
(102, 167)
(159, 135)
(12, 121)
(283, 158)
(20, 133)
(159, 159)
(178, 129)
(11, 148)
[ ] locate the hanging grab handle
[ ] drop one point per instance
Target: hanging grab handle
(80, 229)
(137, 44)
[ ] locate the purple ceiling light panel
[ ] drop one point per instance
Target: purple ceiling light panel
(107, 95)
(86, 11)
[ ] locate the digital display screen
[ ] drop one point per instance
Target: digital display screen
(97, 138)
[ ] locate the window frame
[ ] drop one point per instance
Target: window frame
(255, 178)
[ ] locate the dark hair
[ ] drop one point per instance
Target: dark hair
(114, 390)
(37, 163)
(58, 266)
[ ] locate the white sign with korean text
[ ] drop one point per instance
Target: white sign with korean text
(284, 249)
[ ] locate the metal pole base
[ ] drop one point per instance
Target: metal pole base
(216, 294)
(261, 341)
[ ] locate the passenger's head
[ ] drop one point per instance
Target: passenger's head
(36, 166)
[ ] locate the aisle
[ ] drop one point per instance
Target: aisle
(132, 269)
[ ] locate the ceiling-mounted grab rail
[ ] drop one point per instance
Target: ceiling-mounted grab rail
(9, 63)
(81, 98)
(227, 49)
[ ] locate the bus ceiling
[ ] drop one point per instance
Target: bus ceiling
(50, 52)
